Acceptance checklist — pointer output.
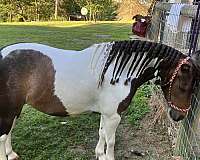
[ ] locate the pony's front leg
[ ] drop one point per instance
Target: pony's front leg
(110, 125)
(2, 147)
(9, 151)
(100, 154)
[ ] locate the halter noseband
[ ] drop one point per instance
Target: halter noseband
(170, 82)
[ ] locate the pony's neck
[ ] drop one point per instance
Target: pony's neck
(99, 55)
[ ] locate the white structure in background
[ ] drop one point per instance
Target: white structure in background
(178, 28)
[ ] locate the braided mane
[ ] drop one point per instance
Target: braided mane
(132, 52)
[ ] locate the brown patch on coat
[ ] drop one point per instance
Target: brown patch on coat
(40, 91)
(31, 77)
(135, 84)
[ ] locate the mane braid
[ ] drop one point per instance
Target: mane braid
(161, 55)
(177, 57)
(148, 58)
(126, 56)
(120, 52)
(138, 54)
(169, 54)
(112, 55)
(143, 66)
(137, 63)
(139, 50)
(171, 60)
(134, 48)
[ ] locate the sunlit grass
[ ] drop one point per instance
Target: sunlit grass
(66, 35)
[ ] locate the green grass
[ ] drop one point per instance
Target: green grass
(38, 136)
(65, 35)
(139, 108)
(41, 137)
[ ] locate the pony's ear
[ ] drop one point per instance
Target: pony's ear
(134, 17)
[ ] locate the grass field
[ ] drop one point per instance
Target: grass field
(67, 35)
(41, 137)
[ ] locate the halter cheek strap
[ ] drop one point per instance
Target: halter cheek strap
(180, 109)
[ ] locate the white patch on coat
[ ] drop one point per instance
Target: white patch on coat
(143, 20)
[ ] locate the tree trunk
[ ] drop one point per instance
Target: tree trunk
(56, 10)
(37, 16)
(10, 16)
(90, 16)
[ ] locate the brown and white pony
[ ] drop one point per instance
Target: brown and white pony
(102, 78)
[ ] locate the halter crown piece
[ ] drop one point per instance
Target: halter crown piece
(181, 62)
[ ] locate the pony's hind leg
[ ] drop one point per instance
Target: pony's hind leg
(100, 154)
(9, 151)
(110, 125)
(5, 127)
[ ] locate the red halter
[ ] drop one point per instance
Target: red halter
(181, 62)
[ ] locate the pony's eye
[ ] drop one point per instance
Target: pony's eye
(185, 68)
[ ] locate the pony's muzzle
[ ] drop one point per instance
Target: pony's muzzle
(176, 115)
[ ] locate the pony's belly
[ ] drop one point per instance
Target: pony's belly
(77, 90)
(79, 101)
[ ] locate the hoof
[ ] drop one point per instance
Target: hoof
(103, 157)
(16, 158)
(13, 156)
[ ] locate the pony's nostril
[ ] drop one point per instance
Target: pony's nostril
(175, 115)
(181, 117)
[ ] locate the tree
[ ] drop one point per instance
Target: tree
(68, 7)
(98, 8)
(129, 8)
(35, 10)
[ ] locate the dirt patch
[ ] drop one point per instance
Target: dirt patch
(146, 142)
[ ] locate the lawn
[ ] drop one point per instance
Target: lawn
(40, 137)
(67, 35)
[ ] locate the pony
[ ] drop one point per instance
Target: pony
(102, 78)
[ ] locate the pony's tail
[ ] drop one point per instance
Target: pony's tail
(1, 55)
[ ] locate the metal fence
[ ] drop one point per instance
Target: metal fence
(171, 24)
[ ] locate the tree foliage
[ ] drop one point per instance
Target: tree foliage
(129, 8)
(35, 10)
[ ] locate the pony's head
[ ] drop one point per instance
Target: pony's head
(177, 84)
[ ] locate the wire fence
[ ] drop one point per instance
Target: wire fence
(172, 25)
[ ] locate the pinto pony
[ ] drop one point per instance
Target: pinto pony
(102, 78)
